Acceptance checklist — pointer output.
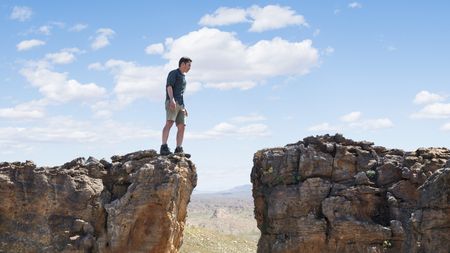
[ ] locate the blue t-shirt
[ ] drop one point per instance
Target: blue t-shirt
(176, 80)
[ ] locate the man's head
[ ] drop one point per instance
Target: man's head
(184, 64)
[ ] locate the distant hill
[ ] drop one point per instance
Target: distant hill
(241, 191)
(221, 222)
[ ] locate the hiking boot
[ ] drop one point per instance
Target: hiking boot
(179, 150)
(164, 150)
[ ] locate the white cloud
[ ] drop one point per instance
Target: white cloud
(273, 17)
(245, 85)
(96, 66)
(373, 124)
(351, 117)
(261, 18)
(224, 16)
(45, 29)
(323, 127)
(355, 5)
(21, 13)
(426, 97)
(57, 86)
(134, 81)
(65, 56)
(353, 121)
(192, 88)
(102, 39)
(157, 48)
(244, 69)
(433, 111)
(30, 110)
(254, 117)
(247, 65)
(446, 127)
(67, 129)
(225, 129)
(29, 44)
(78, 27)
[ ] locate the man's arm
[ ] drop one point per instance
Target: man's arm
(172, 104)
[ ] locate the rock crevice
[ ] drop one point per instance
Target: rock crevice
(332, 194)
(136, 203)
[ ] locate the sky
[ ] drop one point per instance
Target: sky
(87, 78)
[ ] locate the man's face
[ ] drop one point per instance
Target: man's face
(185, 67)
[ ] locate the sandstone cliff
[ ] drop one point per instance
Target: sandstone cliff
(331, 194)
(137, 203)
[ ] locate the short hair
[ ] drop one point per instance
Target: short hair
(184, 59)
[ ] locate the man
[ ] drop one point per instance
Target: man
(175, 109)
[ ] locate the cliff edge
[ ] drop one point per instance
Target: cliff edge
(332, 194)
(137, 203)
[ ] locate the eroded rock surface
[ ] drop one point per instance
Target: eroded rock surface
(137, 203)
(332, 194)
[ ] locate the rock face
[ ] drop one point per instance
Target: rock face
(331, 194)
(137, 203)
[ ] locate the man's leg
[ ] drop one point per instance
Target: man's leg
(180, 134)
(166, 131)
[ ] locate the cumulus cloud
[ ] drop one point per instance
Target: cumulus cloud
(244, 85)
(103, 38)
(226, 129)
(29, 44)
(247, 65)
(78, 27)
(21, 13)
(433, 106)
(355, 5)
(157, 48)
(224, 16)
(30, 110)
(96, 66)
(57, 86)
(45, 29)
(351, 121)
(426, 97)
(134, 81)
(65, 56)
(261, 18)
(351, 117)
(67, 129)
(433, 111)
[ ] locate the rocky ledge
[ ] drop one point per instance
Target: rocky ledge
(332, 194)
(137, 203)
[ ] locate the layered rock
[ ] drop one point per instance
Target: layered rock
(331, 194)
(137, 203)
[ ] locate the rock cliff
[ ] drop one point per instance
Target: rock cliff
(137, 203)
(332, 194)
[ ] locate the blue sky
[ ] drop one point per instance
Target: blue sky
(86, 78)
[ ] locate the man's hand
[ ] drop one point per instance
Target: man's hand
(172, 104)
(185, 112)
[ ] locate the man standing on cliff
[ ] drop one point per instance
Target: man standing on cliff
(175, 109)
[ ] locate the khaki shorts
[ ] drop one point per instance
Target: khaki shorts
(176, 115)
